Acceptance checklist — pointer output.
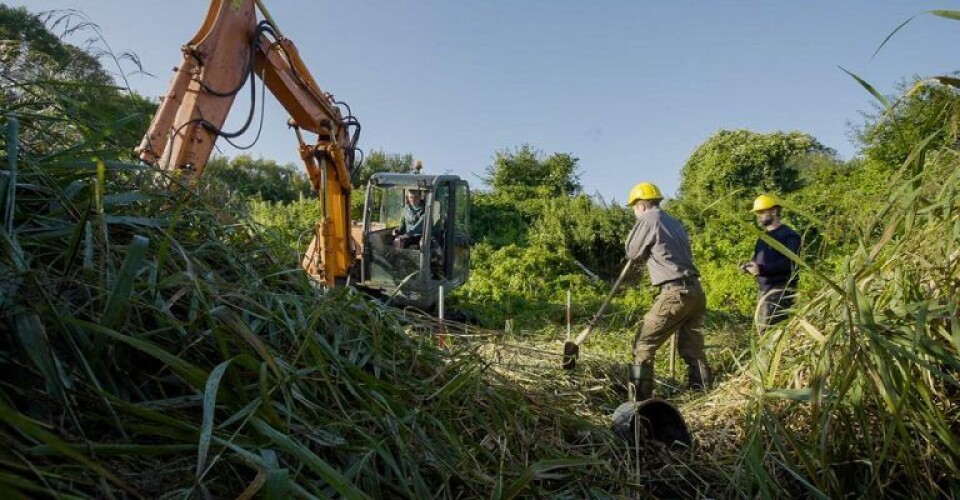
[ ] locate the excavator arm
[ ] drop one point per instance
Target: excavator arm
(225, 54)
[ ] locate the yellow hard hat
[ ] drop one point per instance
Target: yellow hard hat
(764, 202)
(643, 191)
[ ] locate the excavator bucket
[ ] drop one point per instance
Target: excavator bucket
(652, 419)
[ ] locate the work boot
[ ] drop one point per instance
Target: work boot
(641, 376)
(699, 377)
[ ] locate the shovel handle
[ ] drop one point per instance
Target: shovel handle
(603, 307)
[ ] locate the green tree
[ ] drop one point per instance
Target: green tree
(30, 50)
(380, 161)
(523, 181)
(525, 173)
(733, 161)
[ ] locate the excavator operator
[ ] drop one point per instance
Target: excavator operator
(410, 231)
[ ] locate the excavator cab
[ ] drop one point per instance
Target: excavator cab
(410, 271)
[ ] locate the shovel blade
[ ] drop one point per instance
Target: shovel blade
(571, 351)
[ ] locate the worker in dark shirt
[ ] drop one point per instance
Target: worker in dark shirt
(776, 274)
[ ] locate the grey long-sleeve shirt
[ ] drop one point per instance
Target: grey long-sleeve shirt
(659, 241)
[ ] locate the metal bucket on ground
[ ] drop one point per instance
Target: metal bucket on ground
(652, 419)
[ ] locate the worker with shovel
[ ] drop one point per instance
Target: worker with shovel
(660, 241)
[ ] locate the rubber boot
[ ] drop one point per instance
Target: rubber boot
(699, 376)
(641, 376)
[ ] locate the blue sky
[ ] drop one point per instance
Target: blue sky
(629, 87)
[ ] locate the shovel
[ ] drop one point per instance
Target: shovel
(571, 350)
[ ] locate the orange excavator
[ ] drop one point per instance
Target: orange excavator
(232, 48)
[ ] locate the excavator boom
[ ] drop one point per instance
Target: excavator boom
(223, 57)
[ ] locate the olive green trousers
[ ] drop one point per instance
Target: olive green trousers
(678, 308)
